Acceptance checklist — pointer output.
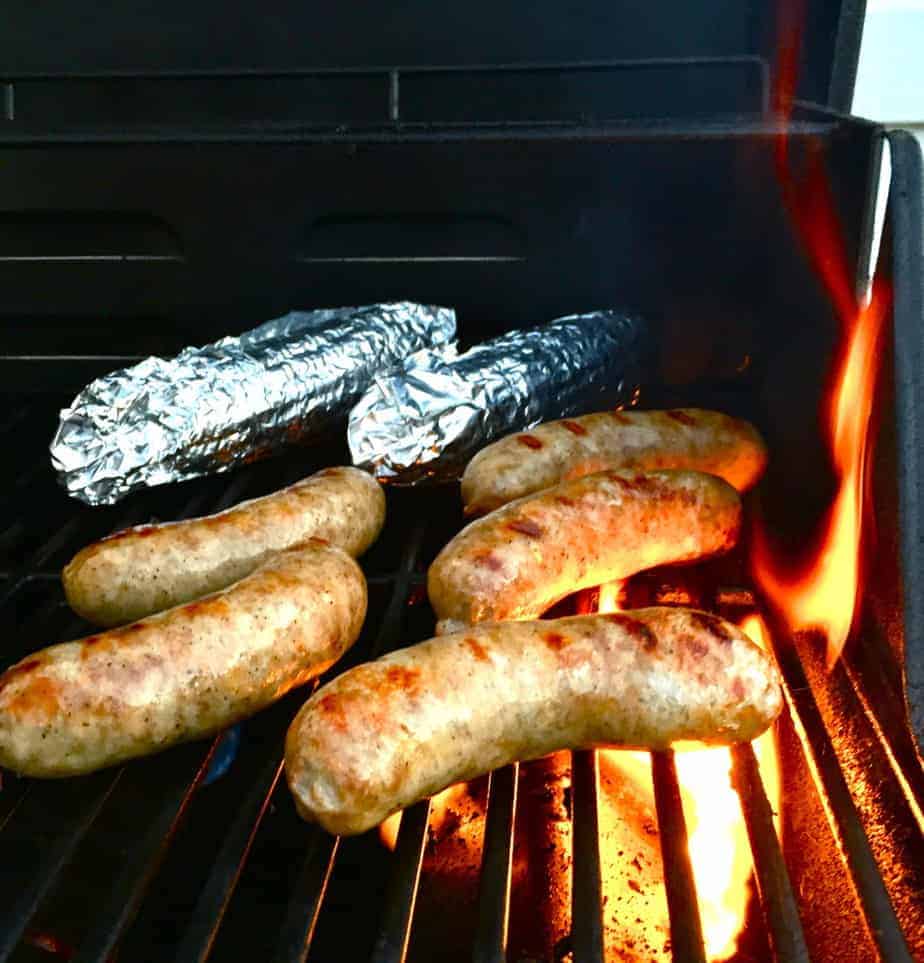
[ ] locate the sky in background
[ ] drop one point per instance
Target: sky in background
(890, 78)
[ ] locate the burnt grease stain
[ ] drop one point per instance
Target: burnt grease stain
(574, 427)
(526, 526)
(637, 630)
(531, 441)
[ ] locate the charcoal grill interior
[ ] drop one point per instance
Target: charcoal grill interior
(145, 205)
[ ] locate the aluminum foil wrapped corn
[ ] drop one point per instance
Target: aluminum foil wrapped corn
(211, 408)
(427, 418)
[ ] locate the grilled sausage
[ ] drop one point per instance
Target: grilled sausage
(521, 559)
(182, 674)
(705, 441)
(390, 732)
(143, 570)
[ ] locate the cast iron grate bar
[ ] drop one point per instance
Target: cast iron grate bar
(307, 897)
(64, 536)
(39, 557)
(586, 885)
(682, 905)
(57, 858)
(78, 804)
(11, 798)
(395, 931)
(842, 814)
(15, 921)
(210, 909)
(142, 866)
(773, 883)
(306, 902)
(142, 863)
(490, 945)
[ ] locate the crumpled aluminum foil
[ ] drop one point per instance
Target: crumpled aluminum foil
(427, 418)
(239, 399)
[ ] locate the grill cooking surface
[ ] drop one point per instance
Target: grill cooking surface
(168, 858)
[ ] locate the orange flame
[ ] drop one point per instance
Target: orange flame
(720, 852)
(388, 830)
(441, 807)
(825, 596)
(611, 596)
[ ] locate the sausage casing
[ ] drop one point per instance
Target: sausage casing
(520, 464)
(390, 732)
(182, 674)
(151, 568)
(521, 559)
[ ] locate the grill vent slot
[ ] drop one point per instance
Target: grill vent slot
(78, 236)
(413, 237)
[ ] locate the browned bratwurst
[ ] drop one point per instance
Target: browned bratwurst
(143, 570)
(520, 464)
(182, 674)
(521, 559)
(390, 732)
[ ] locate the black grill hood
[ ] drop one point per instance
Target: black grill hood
(60, 38)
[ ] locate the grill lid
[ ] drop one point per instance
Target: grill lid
(730, 48)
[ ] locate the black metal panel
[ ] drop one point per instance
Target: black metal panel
(95, 107)
(520, 228)
(171, 37)
(906, 227)
(287, 35)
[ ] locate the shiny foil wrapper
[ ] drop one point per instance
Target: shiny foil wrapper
(426, 419)
(237, 400)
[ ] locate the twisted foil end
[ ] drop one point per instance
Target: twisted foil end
(426, 419)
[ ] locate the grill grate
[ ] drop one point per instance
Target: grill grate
(51, 833)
